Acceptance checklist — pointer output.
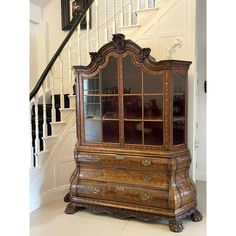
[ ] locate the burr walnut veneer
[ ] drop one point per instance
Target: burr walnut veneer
(131, 155)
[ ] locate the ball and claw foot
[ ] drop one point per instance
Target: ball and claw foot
(71, 208)
(196, 216)
(67, 197)
(175, 226)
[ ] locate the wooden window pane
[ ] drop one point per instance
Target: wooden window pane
(133, 132)
(132, 77)
(110, 130)
(153, 133)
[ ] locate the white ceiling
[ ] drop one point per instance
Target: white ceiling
(40, 3)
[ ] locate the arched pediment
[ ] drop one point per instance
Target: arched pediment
(120, 45)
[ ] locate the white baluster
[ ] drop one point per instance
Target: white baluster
(122, 14)
(114, 17)
(138, 4)
(37, 141)
(154, 3)
(44, 111)
(146, 4)
(130, 13)
(69, 68)
(53, 111)
(106, 22)
(31, 138)
(78, 39)
(97, 25)
(62, 105)
(88, 35)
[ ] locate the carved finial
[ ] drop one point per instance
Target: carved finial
(144, 54)
(119, 42)
(96, 56)
(171, 50)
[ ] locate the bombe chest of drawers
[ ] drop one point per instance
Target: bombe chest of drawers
(131, 155)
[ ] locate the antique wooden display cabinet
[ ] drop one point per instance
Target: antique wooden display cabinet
(131, 155)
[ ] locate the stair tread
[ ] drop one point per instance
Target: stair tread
(58, 122)
(67, 109)
(148, 9)
(51, 136)
(45, 151)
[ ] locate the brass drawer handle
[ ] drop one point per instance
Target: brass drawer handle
(145, 196)
(96, 190)
(120, 188)
(146, 162)
(120, 157)
(121, 171)
(98, 173)
(146, 178)
(97, 158)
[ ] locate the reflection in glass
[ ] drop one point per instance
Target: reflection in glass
(91, 107)
(109, 77)
(110, 107)
(178, 132)
(91, 85)
(153, 133)
(133, 132)
(153, 106)
(133, 107)
(179, 83)
(152, 83)
(132, 77)
(92, 130)
(110, 130)
(178, 106)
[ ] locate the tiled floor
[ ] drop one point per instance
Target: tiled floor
(50, 220)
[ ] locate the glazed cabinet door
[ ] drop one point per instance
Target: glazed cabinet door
(100, 105)
(143, 105)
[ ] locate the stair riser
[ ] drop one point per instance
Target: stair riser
(72, 101)
(50, 143)
(57, 129)
(42, 158)
(66, 114)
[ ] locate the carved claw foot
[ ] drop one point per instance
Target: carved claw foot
(175, 226)
(196, 216)
(67, 197)
(71, 208)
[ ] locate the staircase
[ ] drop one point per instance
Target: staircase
(53, 101)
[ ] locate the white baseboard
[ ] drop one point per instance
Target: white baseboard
(47, 197)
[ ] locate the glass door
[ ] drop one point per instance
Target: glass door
(143, 106)
(101, 105)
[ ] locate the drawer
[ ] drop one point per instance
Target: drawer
(124, 161)
(122, 193)
(123, 175)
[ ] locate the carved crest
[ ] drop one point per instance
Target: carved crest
(118, 41)
(96, 56)
(144, 54)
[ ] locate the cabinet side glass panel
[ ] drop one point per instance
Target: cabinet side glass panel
(179, 83)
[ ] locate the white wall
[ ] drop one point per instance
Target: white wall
(201, 76)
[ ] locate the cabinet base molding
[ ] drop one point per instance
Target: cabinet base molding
(175, 223)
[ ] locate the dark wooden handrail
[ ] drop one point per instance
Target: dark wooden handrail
(59, 50)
